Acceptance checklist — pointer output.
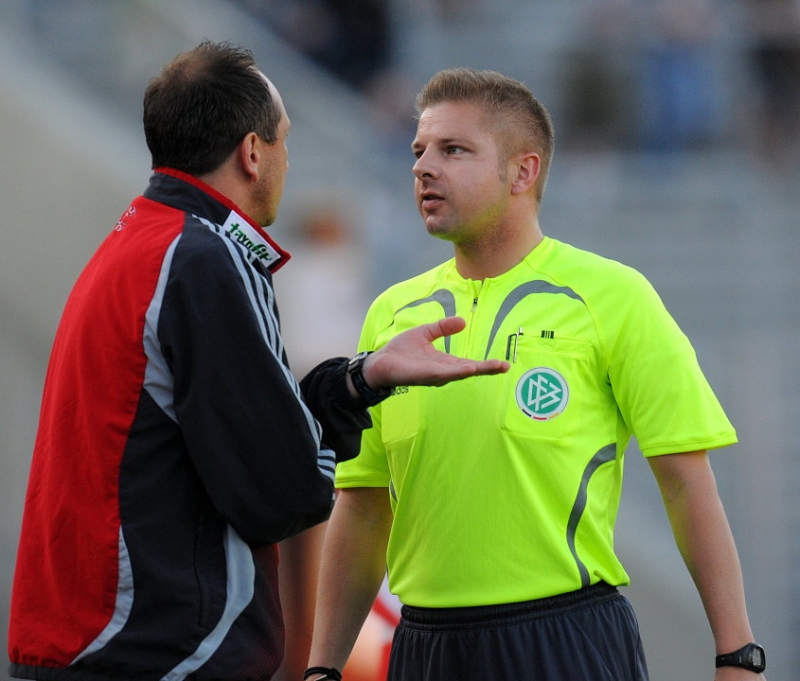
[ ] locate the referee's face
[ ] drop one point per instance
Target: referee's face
(460, 180)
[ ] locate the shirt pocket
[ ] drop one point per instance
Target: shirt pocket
(543, 390)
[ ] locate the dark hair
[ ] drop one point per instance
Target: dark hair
(521, 122)
(202, 104)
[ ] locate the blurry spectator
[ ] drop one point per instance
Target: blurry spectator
(324, 305)
(774, 54)
(324, 288)
(680, 87)
(348, 38)
(326, 300)
(446, 10)
(391, 102)
(597, 79)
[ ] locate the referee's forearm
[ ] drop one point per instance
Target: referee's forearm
(704, 538)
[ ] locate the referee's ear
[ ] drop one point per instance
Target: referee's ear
(524, 170)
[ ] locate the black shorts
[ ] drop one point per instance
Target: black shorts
(587, 635)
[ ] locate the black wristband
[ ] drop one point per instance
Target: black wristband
(355, 368)
(750, 657)
(330, 673)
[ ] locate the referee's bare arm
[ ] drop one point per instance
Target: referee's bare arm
(352, 570)
(706, 543)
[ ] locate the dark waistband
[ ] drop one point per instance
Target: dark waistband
(486, 614)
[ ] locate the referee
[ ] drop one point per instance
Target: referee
(493, 502)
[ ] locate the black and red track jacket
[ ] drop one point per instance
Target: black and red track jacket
(173, 441)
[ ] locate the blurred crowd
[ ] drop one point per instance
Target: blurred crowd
(639, 75)
(652, 75)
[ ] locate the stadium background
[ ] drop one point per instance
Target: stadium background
(669, 158)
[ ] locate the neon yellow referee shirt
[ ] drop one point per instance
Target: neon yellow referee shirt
(506, 488)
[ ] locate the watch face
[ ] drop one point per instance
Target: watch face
(756, 657)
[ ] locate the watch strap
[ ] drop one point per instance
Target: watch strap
(750, 657)
(356, 370)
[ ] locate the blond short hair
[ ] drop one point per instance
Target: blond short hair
(521, 122)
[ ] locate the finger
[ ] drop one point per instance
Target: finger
(468, 368)
(446, 327)
(494, 366)
(484, 368)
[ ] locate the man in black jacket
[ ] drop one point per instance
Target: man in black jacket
(175, 448)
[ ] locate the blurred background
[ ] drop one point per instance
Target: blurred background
(678, 153)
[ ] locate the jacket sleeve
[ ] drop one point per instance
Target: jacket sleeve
(341, 416)
(252, 439)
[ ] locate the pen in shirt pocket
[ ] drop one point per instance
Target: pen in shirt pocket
(511, 345)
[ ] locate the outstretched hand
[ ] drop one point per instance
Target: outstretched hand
(410, 359)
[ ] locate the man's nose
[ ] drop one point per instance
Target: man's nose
(424, 168)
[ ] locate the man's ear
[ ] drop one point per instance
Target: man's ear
(528, 166)
(249, 152)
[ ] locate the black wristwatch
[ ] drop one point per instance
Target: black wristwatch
(355, 367)
(750, 657)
